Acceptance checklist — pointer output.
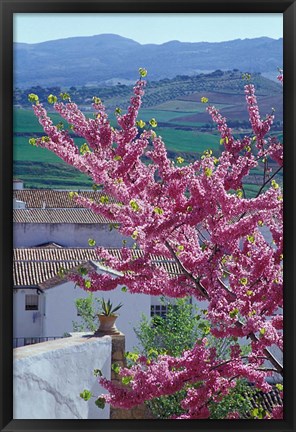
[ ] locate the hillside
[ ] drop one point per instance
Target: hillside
(227, 86)
(109, 59)
(182, 119)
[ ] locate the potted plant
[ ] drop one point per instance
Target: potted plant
(107, 318)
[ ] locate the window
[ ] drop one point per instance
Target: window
(160, 310)
(31, 302)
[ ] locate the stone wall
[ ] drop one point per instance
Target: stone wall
(49, 377)
(117, 356)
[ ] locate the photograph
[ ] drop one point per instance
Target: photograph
(150, 173)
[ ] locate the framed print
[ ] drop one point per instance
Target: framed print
(147, 223)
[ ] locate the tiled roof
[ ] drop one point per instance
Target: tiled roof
(54, 254)
(37, 198)
(56, 216)
(35, 266)
(266, 400)
(31, 273)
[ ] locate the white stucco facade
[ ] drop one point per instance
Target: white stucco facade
(27, 323)
(66, 234)
(57, 311)
(40, 393)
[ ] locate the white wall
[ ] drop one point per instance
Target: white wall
(27, 323)
(48, 378)
(60, 310)
(71, 235)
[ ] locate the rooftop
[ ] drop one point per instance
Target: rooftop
(38, 198)
(58, 216)
(37, 266)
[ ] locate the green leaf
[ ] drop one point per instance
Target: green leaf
(141, 124)
(142, 72)
(52, 99)
(152, 351)
(73, 194)
(32, 97)
(115, 368)
(208, 172)
(233, 313)
(280, 387)
(100, 402)
(135, 235)
(126, 380)
(104, 199)
(158, 210)
(91, 242)
(65, 96)
(239, 193)
(96, 100)
(153, 122)
(32, 141)
(134, 205)
(82, 271)
(98, 372)
(251, 238)
(87, 284)
(84, 149)
(246, 76)
(62, 272)
(131, 356)
(86, 395)
(244, 281)
(116, 308)
(124, 289)
(204, 100)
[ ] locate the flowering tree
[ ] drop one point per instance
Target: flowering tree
(199, 216)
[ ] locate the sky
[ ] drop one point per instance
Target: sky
(148, 28)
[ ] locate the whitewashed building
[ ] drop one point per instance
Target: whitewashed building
(44, 303)
(44, 216)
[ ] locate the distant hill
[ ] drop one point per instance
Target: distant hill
(109, 59)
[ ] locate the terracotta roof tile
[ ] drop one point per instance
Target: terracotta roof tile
(56, 216)
(265, 400)
(37, 198)
(35, 266)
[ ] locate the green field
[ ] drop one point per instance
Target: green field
(178, 124)
(188, 141)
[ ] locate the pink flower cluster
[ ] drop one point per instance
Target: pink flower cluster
(228, 248)
(198, 371)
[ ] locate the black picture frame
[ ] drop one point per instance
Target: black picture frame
(8, 8)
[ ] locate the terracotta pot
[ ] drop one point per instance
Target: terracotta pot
(107, 325)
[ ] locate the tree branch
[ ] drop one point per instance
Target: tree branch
(197, 283)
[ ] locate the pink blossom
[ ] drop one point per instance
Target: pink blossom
(227, 249)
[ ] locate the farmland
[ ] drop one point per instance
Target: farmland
(183, 123)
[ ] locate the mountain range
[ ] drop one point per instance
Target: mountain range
(110, 59)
